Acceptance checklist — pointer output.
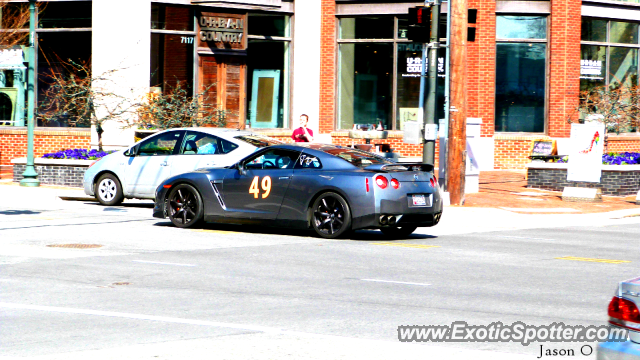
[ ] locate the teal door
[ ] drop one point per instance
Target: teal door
(264, 98)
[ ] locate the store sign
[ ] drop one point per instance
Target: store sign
(591, 69)
(11, 58)
(221, 29)
(585, 155)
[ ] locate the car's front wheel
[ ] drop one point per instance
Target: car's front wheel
(400, 231)
(331, 216)
(109, 190)
(185, 206)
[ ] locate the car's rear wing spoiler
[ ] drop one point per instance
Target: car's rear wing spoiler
(401, 167)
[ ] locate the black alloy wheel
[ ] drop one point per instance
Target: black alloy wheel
(397, 232)
(331, 216)
(185, 206)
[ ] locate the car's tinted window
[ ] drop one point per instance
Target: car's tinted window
(306, 161)
(163, 144)
(197, 143)
(273, 159)
(357, 157)
(259, 141)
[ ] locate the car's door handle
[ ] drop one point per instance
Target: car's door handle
(163, 164)
(284, 177)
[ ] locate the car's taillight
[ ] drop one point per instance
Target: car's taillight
(433, 183)
(395, 183)
(382, 182)
(366, 181)
(623, 309)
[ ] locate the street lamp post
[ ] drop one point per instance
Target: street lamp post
(30, 175)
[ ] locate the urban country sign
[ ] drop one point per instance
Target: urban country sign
(222, 30)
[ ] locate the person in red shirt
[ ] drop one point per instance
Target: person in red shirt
(303, 134)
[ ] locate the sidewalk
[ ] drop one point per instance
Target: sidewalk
(504, 189)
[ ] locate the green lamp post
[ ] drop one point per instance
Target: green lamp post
(30, 175)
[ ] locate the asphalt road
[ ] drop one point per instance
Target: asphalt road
(141, 288)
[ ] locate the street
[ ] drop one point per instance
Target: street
(79, 280)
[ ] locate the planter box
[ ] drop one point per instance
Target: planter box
(63, 172)
(616, 180)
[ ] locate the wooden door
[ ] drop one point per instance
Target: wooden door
(223, 76)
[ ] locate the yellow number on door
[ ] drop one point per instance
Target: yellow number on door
(254, 188)
(266, 186)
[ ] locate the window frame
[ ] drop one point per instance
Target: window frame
(546, 71)
(608, 45)
(395, 41)
(287, 121)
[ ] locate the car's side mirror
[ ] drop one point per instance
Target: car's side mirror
(242, 169)
(131, 152)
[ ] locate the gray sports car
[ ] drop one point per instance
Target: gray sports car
(329, 188)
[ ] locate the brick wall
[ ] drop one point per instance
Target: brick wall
(623, 143)
(394, 140)
(13, 144)
(54, 174)
(481, 62)
(617, 183)
(564, 64)
(512, 152)
(327, 66)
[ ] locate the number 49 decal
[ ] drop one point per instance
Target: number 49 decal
(266, 187)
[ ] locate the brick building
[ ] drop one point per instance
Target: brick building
(343, 62)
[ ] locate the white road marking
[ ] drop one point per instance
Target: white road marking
(396, 282)
(162, 263)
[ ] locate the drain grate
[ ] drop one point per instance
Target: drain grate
(75, 246)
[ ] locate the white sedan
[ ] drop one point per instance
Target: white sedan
(137, 171)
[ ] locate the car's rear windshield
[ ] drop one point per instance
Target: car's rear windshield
(259, 141)
(357, 158)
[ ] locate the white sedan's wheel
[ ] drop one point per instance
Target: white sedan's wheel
(108, 190)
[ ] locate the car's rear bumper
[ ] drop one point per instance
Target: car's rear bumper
(627, 350)
(373, 221)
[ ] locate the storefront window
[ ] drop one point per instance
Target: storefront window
(75, 14)
(267, 83)
(172, 48)
(624, 67)
(171, 17)
(268, 25)
(623, 32)
(593, 65)
(171, 61)
(521, 74)
(521, 27)
(60, 55)
(365, 93)
(594, 30)
(366, 28)
(379, 73)
(604, 62)
(268, 77)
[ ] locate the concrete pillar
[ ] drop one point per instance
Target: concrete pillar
(306, 63)
(121, 47)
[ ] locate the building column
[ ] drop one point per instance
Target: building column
(306, 64)
(121, 48)
(564, 65)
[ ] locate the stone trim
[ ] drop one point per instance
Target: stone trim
(564, 166)
(23, 131)
(521, 137)
(272, 132)
(41, 161)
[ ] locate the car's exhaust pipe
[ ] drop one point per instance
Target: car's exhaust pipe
(383, 220)
(392, 220)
